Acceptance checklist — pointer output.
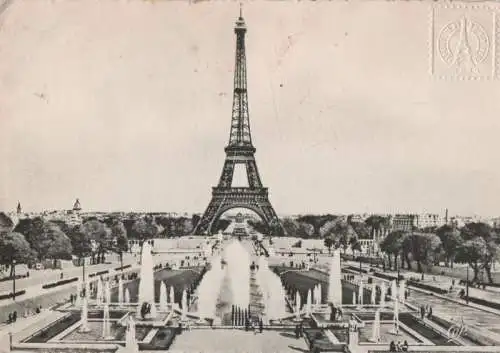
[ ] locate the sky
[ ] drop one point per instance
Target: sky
(126, 104)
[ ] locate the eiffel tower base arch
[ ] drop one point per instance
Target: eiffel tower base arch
(225, 199)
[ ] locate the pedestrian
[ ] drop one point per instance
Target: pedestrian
(14, 316)
(422, 312)
(392, 347)
(430, 312)
(10, 318)
(261, 325)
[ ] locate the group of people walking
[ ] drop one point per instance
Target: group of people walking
(12, 318)
(425, 311)
(257, 326)
(398, 347)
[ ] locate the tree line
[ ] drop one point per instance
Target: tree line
(35, 239)
(475, 244)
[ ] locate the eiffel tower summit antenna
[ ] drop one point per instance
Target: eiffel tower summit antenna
(239, 150)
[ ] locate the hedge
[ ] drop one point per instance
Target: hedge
(10, 295)
(122, 267)
(484, 302)
(98, 273)
(357, 269)
(388, 277)
(59, 283)
(427, 287)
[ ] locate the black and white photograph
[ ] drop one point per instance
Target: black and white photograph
(255, 176)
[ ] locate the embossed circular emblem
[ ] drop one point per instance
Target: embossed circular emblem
(464, 44)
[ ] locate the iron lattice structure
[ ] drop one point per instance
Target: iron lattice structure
(239, 150)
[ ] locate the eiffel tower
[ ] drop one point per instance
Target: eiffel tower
(239, 150)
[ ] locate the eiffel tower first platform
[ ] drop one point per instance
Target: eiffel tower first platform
(239, 150)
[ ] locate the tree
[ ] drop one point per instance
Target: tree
(392, 245)
(13, 246)
(424, 247)
(33, 231)
(316, 222)
(81, 243)
(473, 252)
(451, 240)
(145, 228)
(119, 235)
(59, 244)
(355, 245)
(329, 242)
(375, 223)
(485, 241)
(100, 237)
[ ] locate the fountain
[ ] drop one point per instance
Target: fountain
(297, 306)
(127, 296)
(172, 297)
(184, 305)
(402, 291)
(238, 268)
(360, 291)
(394, 290)
(120, 291)
(78, 293)
(395, 329)
(309, 303)
(84, 327)
(376, 328)
(373, 293)
(146, 282)
(131, 345)
(163, 297)
(209, 289)
(272, 291)
(99, 294)
(106, 324)
(383, 292)
(107, 292)
(334, 283)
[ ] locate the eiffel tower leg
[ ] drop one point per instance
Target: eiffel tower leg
(205, 223)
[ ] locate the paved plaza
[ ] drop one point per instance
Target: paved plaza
(221, 340)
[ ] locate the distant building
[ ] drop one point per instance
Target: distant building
(428, 220)
(77, 207)
(404, 222)
(409, 222)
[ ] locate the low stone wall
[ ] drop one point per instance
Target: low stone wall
(65, 347)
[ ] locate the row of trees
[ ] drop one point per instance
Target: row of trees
(35, 240)
(476, 244)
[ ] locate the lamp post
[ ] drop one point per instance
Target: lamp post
(397, 267)
(14, 279)
(84, 281)
(467, 286)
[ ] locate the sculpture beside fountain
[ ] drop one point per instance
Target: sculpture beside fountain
(130, 339)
